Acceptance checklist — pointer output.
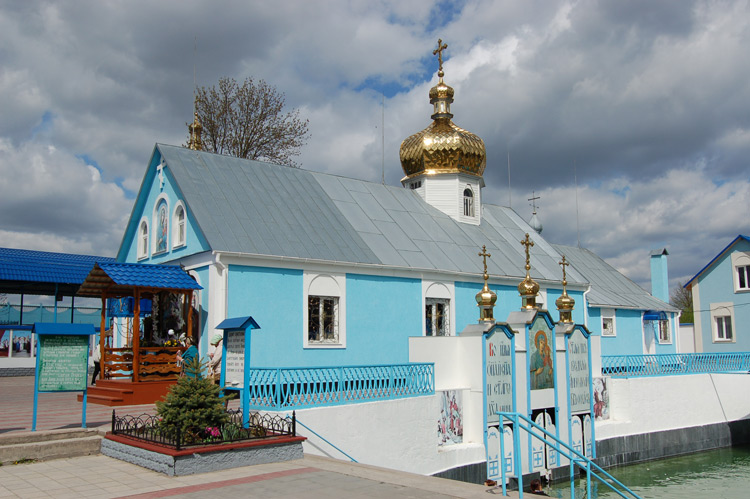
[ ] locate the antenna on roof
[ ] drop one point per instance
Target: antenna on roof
(578, 224)
(382, 137)
(510, 204)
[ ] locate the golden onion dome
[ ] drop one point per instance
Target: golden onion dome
(565, 302)
(528, 287)
(442, 147)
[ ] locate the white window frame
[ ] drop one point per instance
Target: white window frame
(325, 285)
(469, 204)
(155, 224)
(434, 305)
(741, 265)
(609, 314)
(178, 224)
(665, 325)
(721, 310)
(434, 291)
(141, 245)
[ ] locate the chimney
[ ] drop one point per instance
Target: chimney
(659, 274)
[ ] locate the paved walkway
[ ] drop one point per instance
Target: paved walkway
(310, 477)
(103, 477)
(55, 410)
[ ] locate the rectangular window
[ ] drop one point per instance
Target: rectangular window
(322, 319)
(608, 322)
(723, 327)
(437, 312)
(665, 335)
(743, 277)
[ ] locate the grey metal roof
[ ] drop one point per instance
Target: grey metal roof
(609, 288)
(258, 208)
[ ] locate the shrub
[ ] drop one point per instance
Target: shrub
(191, 405)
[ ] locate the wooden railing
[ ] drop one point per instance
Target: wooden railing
(156, 363)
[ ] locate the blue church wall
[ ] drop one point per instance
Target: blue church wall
(628, 339)
(467, 311)
(205, 335)
(144, 208)
(716, 285)
(381, 314)
(274, 298)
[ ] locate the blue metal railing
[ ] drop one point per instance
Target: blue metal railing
(296, 388)
(575, 457)
(627, 366)
(321, 437)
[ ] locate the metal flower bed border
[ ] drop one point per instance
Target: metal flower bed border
(146, 429)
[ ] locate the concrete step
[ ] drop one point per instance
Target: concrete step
(47, 445)
(93, 398)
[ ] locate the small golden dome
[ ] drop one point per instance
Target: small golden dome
(565, 302)
(195, 130)
(442, 147)
(441, 91)
(528, 287)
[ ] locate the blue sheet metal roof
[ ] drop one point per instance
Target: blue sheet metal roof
(610, 288)
(252, 208)
(238, 323)
(37, 272)
(121, 278)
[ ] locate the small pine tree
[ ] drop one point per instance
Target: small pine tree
(192, 405)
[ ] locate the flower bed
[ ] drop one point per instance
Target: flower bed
(139, 440)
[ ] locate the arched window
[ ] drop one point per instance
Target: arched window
(178, 226)
(468, 202)
(161, 226)
(325, 317)
(143, 240)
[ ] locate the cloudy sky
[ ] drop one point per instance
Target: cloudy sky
(644, 105)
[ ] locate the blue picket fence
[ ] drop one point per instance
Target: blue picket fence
(629, 366)
(297, 388)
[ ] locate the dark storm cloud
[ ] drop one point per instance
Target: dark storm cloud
(648, 102)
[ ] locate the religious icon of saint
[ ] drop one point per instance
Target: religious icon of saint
(541, 363)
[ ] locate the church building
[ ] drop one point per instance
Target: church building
(340, 271)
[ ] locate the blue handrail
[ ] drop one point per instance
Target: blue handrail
(323, 438)
(628, 366)
(288, 388)
(575, 457)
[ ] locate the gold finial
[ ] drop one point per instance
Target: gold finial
(195, 129)
(439, 52)
(486, 298)
(484, 256)
(564, 263)
(528, 243)
(528, 288)
(565, 303)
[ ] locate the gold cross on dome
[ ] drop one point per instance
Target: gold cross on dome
(484, 256)
(528, 243)
(564, 263)
(439, 52)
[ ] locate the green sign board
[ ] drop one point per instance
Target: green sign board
(63, 363)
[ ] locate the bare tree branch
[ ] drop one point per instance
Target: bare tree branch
(247, 121)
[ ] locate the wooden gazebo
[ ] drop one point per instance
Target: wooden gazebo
(136, 374)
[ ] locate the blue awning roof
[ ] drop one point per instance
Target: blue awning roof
(44, 273)
(122, 278)
(238, 323)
